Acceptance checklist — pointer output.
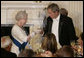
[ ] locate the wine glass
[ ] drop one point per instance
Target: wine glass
(73, 46)
(72, 43)
(79, 50)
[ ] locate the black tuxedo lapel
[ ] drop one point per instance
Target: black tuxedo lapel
(49, 23)
(50, 26)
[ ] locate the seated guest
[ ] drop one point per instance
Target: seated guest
(6, 43)
(26, 53)
(49, 43)
(65, 51)
(48, 47)
(47, 54)
(5, 53)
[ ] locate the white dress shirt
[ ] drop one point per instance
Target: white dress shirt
(55, 26)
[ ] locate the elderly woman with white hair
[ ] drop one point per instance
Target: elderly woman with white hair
(19, 36)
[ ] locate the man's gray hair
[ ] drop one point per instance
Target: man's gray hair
(54, 7)
(5, 41)
(21, 15)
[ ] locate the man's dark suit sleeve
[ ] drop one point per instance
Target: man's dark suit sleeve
(48, 26)
(66, 31)
(71, 30)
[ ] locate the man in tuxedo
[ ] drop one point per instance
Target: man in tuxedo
(60, 25)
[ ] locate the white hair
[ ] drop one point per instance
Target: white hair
(21, 15)
(5, 41)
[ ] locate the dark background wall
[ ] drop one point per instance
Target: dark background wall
(6, 29)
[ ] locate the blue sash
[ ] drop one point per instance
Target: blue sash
(18, 44)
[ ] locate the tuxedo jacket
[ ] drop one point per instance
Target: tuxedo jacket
(66, 29)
